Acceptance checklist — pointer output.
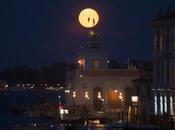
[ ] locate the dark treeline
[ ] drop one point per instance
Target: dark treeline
(51, 74)
(55, 73)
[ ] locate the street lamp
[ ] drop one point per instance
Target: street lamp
(99, 95)
(120, 96)
(74, 94)
(86, 95)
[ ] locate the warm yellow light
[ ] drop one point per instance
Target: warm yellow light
(88, 18)
(80, 62)
(120, 97)
(134, 98)
(86, 95)
(99, 95)
(74, 94)
(91, 33)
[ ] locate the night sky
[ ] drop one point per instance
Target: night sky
(38, 32)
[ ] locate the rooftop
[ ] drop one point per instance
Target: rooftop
(118, 72)
(169, 14)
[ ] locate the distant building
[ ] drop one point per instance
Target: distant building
(142, 87)
(93, 86)
(3, 85)
(164, 63)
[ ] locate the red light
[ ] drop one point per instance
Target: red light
(59, 107)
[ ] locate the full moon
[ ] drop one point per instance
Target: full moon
(88, 18)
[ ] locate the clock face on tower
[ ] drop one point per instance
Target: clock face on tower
(88, 18)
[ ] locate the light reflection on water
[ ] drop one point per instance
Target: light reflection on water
(69, 127)
(81, 127)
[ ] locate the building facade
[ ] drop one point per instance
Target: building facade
(95, 87)
(164, 63)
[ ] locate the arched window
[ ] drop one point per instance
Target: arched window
(97, 99)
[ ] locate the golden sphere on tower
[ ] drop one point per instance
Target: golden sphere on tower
(88, 18)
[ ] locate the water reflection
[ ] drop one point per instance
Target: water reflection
(91, 127)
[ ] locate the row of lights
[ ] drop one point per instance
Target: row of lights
(120, 94)
(99, 96)
(33, 84)
(82, 60)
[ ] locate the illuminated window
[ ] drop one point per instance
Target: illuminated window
(97, 95)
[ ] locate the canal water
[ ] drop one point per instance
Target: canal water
(9, 120)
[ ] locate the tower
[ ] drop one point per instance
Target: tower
(93, 85)
(92, 56)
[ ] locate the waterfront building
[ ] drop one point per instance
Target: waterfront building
(164, 63)
(3, 85)
(142, 88)
(95, 88)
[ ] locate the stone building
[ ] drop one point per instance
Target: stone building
(94, 86)
(164, 63)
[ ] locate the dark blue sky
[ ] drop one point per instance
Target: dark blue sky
(37, 32)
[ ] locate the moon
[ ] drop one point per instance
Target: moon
(88, 18)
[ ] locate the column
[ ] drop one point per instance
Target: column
(165, 103)
(161, 104)
(155, 104)
(171, 105)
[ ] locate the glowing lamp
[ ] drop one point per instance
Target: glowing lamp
(74, 94)
(61, 111)
(99, 95)
(134, 98)
(80, 62)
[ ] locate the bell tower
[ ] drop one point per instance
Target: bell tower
(93, 56)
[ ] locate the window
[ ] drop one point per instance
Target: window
(81, 63)
(96, 64)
